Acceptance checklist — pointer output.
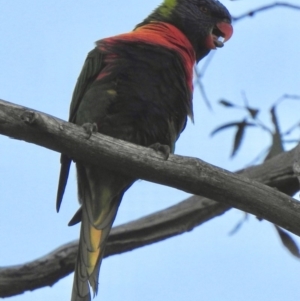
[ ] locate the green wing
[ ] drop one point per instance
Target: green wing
(91, 69)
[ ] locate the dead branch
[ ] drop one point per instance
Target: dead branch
(188, 174)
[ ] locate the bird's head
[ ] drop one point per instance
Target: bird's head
(206, 23)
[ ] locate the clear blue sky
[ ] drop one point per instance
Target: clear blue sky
(43, 46)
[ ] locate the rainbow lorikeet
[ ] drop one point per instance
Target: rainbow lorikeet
(137, 87)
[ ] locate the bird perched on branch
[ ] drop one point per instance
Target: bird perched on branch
(136, 87)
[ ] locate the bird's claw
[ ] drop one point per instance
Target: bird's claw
(90, 128)
(162, 148)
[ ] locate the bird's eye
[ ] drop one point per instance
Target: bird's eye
(205, 10)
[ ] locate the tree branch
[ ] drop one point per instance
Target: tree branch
(186, 173)
(263, 8)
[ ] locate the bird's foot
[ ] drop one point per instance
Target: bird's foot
(90, 128)
(162, 148)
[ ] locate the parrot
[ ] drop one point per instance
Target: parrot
(137, 87)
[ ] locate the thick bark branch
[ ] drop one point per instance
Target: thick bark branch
(155, 227)
(188, 174)
(60, 136)
(51, 268)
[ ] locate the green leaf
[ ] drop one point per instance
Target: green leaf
(277, 143)
(288, 242)
(239, 135)
(223, 127)
(253, 112)
(226, 103)
(241, 126)
(228, 125)
(239, 225)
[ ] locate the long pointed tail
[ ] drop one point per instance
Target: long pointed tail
(100, 192)
(90, 254)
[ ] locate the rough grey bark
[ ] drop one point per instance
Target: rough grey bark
(189, 174)
(185, 173)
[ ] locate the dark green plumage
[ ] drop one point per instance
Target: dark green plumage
(136, 87)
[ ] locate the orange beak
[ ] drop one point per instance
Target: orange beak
(226, 29)
(221, 33)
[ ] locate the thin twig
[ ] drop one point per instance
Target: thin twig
(263, 8)
(202, 89)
